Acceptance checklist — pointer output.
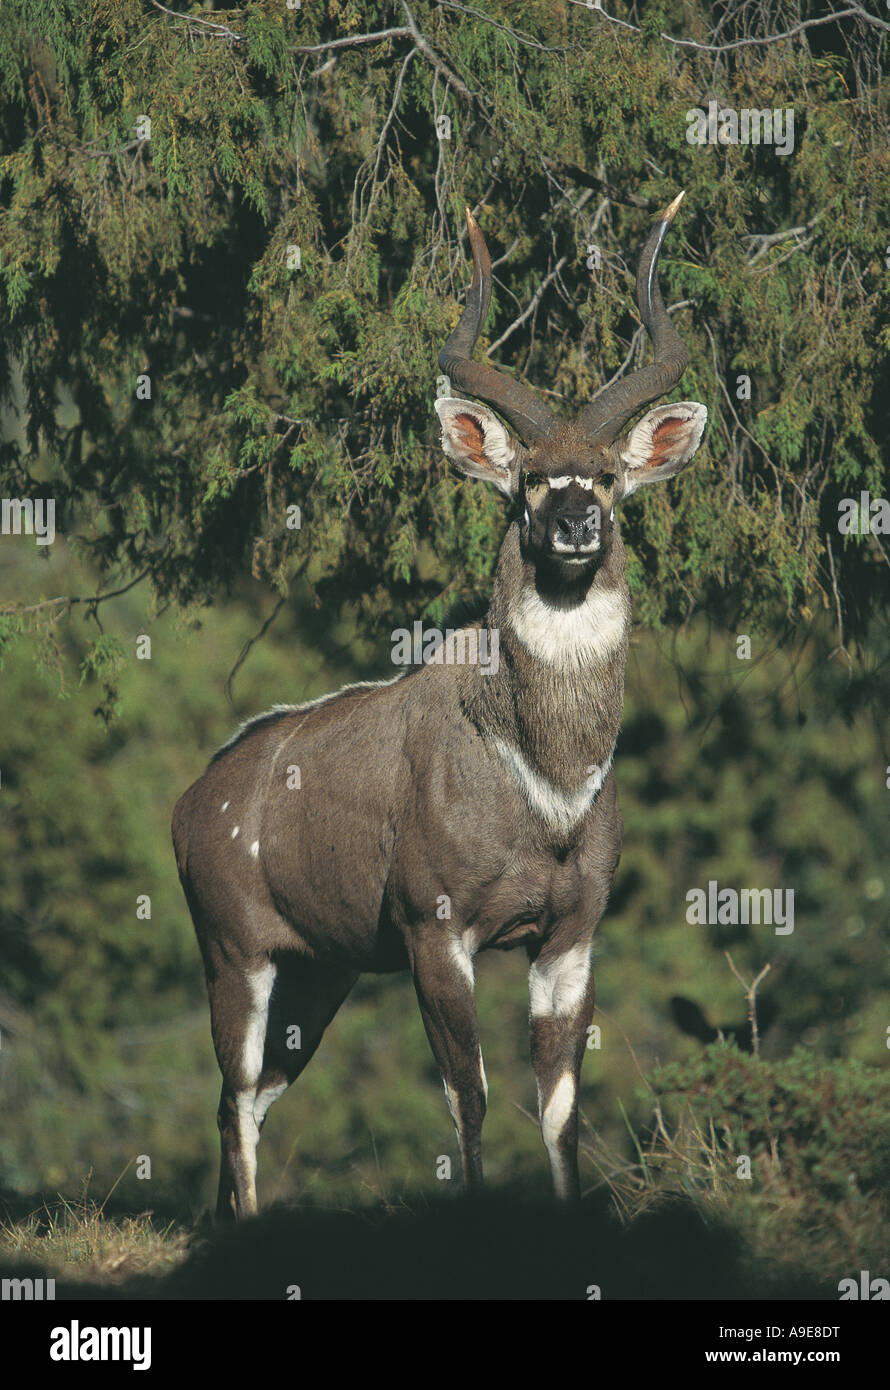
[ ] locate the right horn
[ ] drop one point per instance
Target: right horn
(606, 415)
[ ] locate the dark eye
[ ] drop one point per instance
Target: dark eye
(606, 479)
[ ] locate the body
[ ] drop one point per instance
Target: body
(414, 823)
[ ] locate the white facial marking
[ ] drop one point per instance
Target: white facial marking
(566, 480)
(235, 831)
(255, 849)
(560, 810)
(553, 1121)
(557, 988)
(572, 636)
(224, 806)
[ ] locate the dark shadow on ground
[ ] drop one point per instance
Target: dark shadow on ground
(494, 1248)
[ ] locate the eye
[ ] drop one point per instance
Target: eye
(606, 479)
(533, 480)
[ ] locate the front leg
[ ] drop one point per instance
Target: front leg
(443, 978)
(561, 994)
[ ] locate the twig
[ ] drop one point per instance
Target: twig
(69, 600)
(530, 308)
(751, 996)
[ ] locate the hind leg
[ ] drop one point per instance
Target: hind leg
(255, 1007)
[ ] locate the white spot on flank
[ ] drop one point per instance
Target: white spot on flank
(224, 806)
(255, 849)
(572, 635)
(560, 810)
(558, 987)
(235, 831)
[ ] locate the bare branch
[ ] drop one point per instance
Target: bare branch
(68, 601)
(852, 11)
(353, 40)
(220, 31)
(530, 308)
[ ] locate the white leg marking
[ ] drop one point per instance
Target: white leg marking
(453, 1107)
(460, 956)
(260, 983)
(266, 1098)
(248, 1133)
(558, 987)
(553, 1122)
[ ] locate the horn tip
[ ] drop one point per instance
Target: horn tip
(472, 224)
(670, 213)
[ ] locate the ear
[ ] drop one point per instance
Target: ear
(661, 443)
(474, 438)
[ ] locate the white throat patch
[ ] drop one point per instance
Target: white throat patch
(572, 637)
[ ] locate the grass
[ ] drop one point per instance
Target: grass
(75, 1241)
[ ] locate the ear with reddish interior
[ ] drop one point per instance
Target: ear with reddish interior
(479, 443)
(662, 443)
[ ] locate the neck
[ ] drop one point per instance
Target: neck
(556, 697)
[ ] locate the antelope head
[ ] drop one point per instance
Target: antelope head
(568, 478)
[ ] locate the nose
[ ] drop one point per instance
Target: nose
(574, 531)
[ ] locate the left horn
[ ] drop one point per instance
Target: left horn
(531, 419)
(602, 420)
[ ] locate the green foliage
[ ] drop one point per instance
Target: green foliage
(275, 384)
(816, 1134)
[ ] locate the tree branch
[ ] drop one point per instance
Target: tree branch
(852, 10)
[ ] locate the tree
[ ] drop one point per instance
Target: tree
(232, 245)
